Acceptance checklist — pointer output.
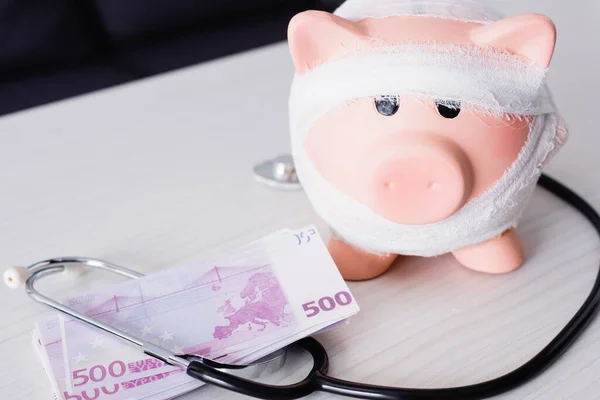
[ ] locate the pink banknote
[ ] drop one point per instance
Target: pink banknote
(240, 305)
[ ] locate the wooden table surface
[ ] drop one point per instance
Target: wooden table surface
(157, 171)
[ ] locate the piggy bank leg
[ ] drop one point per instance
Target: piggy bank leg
(357, 265)
(496, 256)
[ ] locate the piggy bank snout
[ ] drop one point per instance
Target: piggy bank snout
(421, 183)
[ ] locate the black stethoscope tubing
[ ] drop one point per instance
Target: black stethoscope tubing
(317, 380)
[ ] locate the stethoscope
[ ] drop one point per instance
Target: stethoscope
(222, 375)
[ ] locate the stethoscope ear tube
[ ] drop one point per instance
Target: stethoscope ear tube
(318, 380)
(206, 371)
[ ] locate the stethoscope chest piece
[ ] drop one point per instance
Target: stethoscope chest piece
(278, 172)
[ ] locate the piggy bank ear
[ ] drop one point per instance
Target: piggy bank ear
(531, 35)
(316, 36)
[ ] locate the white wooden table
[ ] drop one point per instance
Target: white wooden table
(157, 171)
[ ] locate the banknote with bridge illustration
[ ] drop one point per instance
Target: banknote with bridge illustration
(236, 306)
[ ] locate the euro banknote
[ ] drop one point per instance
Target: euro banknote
(233, 307)
(47, 342)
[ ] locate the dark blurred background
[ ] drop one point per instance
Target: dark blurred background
(55, 49)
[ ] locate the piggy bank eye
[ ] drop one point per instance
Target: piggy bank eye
(448, 109)
(387, 105)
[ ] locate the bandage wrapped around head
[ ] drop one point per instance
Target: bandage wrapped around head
(488, 80)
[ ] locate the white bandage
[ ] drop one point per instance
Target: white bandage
(489, 81)
(459, 10)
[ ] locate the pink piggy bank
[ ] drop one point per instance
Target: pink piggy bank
(420, 128)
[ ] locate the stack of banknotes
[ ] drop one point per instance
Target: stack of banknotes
(234, 308)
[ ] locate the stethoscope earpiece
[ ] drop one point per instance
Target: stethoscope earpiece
(15, 277)
(73, 271)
